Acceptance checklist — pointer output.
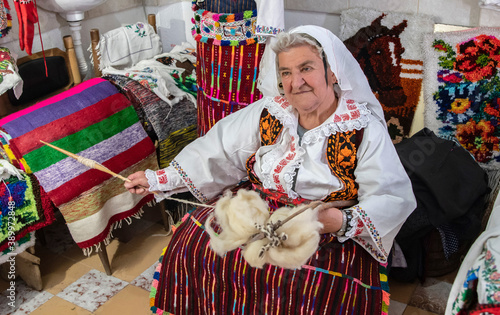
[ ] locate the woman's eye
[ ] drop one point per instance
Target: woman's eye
(285, 73)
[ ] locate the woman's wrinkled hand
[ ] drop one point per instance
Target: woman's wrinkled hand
(331, 219)
(138, 184)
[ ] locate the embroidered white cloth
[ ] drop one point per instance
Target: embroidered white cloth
(155, 76)
(270, 17)
(9, 77)
(481, 265)
(125, 46)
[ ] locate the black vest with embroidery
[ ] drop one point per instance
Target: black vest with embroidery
(340, 154)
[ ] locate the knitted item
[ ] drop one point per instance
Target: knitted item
(27, 16)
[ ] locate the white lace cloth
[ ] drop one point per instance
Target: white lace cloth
(125, 46)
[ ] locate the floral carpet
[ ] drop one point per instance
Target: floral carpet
(462, 90)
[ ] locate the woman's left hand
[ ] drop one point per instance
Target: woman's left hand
(331, 219)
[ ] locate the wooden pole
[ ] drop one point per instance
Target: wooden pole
(73, 62)
(94, 39)
(152, 21)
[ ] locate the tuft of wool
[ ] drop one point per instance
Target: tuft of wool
(237, 217)
(302, 240)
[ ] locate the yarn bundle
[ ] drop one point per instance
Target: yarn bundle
(245, 221)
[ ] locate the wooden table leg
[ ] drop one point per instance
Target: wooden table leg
(103, 255)
(167, 219)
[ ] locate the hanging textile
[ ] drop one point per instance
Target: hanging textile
(462, 90)
(387, 46)
(228, 56)
(27, 16)
(270, 17)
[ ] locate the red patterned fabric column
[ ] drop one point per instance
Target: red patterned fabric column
(228, 56)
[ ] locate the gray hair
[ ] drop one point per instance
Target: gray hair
(285, 41)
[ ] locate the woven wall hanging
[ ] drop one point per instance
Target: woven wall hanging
(228, 56)
(462, 90)
(388, 47)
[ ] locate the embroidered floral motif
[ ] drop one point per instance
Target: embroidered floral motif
(378, 252)
(356, 119)
(270, 128)
(139, 29)
(468, 94)
(278, 116)
(162, 177)
(268, 30)
(492, 278)
(281, 101)
(342, 161)
(250, 171)
(145, 80)
(189, 183)
(225, 29)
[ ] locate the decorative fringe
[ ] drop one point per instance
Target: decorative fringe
(98, 54)
(116, 225)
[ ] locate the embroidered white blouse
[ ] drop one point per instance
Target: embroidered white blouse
(217, 161)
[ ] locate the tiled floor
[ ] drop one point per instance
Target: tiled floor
(73, 283)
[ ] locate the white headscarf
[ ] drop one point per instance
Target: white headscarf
(351, 78)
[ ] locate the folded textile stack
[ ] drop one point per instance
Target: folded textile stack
(94, 121)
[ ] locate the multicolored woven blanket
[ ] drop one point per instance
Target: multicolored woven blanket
(387, 45)
(94, 121)
(462, 90)
(30, 211)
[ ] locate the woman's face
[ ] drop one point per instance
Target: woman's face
(303, 76)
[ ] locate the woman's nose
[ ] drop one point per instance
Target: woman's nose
(297, 80)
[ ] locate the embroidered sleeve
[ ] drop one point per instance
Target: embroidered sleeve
(166, 181)
(356, 227)
(385, 195)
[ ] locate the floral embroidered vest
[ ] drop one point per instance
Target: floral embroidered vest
(340, 154)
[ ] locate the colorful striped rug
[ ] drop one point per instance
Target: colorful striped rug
(95, 121)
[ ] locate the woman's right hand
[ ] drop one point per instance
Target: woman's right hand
(138, 184)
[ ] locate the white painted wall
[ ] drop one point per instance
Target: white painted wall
(174, 17)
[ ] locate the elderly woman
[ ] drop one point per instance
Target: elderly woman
(324, 139)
